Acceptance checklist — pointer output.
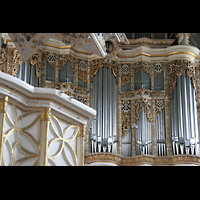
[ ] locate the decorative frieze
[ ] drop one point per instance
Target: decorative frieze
(142, 159)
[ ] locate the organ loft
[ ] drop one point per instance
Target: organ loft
(115, 99)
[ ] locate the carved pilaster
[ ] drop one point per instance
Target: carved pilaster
(132, 78)
(9, 60)
(88, 83)
(133, 121)
(45, 122)
(119, 111)
(152, 75)
(153, 128)
(43, 69)
(57, 68)
(167, 110)
(76, 75)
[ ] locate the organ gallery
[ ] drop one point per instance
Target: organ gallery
(115, 99)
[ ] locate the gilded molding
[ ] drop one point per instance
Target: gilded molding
(142, 159)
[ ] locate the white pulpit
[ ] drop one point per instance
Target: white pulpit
(41, 126)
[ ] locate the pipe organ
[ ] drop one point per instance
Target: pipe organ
(153, 88)
(185, 137)
(104, 101)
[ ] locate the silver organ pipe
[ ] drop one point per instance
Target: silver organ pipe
(104, 95)
(185, 138)
(160, 134)
(143, 135)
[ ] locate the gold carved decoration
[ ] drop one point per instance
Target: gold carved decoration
(142, 92)
(126, 74)
(147, 108)
(17, 60)
(46, 115)
(95, 67)
(70, 89)
(159, 106)
(36, 60)
(3, 60)
(176, 70)
(63, 58)
(158, 68)
(82, 70)
(126, 116)
(137, 66)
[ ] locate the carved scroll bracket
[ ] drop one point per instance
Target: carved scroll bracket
(147, 108)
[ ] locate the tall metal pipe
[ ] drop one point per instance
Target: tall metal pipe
(106, 102)
(180, 116)
(111, 99)
(195, 115)
(191, 109)
(185, 104)
(99, 104)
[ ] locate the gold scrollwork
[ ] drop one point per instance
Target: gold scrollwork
(126, 116)
(137, 66)
(36, 60)
(17, 60)
(126, 74)
(158, 68)
(160, 104)
(176, 70)
(147, 108)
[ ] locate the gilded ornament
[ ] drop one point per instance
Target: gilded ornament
(176, 70)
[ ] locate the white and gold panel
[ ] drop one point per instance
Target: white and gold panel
(40, 127)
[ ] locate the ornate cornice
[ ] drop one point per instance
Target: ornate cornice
(142, 159)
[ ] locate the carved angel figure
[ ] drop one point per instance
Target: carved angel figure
(183, 38)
